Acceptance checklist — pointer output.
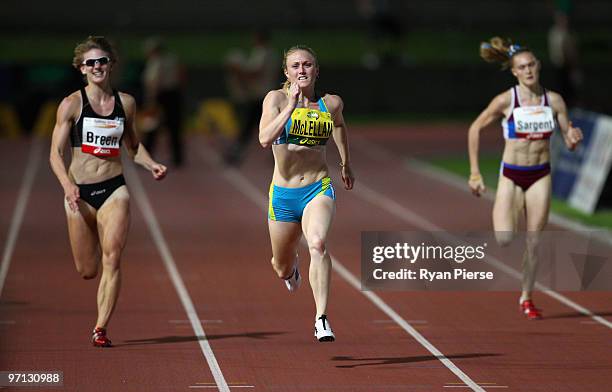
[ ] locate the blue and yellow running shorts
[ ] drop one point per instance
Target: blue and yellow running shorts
(288, 204)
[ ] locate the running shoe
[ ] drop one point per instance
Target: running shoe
(530, 311)
(323, 331)
(295, 280)
(99, 338)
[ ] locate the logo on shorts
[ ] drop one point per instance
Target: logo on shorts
(99, 192)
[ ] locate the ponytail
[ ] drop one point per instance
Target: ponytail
(499, 50)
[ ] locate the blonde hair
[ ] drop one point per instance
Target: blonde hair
(499, 50)
(93, 42)
(294, 49)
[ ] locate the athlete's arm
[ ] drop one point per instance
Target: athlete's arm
(340, 136)
(274, 116)
(135, 149)
(66, 113)
(493, 112)
(571, 135)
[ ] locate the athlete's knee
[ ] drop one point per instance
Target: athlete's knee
(316, 246)
(504, 238)
(282, 269)
(87, 271)
(110, 259)
(532, 240)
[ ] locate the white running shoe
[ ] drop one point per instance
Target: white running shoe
(323, 331)
(295, 280)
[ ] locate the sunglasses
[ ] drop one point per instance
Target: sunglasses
(92, 62)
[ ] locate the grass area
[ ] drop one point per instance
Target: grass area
(335, 47)
(489, 167)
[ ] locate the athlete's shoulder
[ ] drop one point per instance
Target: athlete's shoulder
(333, 102)
(556, 102)
(278, 94)
(128, 102)
(275, 97)
(126, 99)
(554, 97)
(70, 105)
(502, 100)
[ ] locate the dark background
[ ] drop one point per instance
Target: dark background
(427, 67)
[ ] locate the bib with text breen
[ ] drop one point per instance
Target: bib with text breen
(102, 137)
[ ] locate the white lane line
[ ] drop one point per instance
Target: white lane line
(252, 192)
(484, 386)
(162, 246)
(202, 321)
(22, 201)
(411, 217)
(214, 386)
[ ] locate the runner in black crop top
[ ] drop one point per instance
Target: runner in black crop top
(96, 198)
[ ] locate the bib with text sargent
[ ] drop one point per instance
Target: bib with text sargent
(534, 122)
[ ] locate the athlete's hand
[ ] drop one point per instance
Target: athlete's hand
(347, 177)
(476, 184)
(574, 136)
(293, 94)
(159, 171)
(72, 195)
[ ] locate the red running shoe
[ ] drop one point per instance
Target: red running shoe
(99, 338)
(530, 311)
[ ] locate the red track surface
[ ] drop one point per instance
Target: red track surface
(261, 335)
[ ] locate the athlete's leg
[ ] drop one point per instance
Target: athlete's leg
(83, 235)
(113, 223)
(509, 202)
(316, 222)
(537, 204)
(284, 237)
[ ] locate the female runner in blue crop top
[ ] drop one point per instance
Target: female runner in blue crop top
(297, 124)
(529, 115)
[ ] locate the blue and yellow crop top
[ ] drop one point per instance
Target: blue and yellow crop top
(308, 127)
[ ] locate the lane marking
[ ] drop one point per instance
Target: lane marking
(408, 321)
(202, 321)
(22, 201)
(249, 190)
(485, 386)
(214, 386)
(160, 242)
(411, 217)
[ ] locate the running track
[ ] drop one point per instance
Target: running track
(201, 309)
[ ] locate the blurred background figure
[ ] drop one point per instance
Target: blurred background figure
(563, 52)
(385, 33)
(249, 78)
(162, 79)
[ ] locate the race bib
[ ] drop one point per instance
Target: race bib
(102, 137)
(534, 122)
(310, 127)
